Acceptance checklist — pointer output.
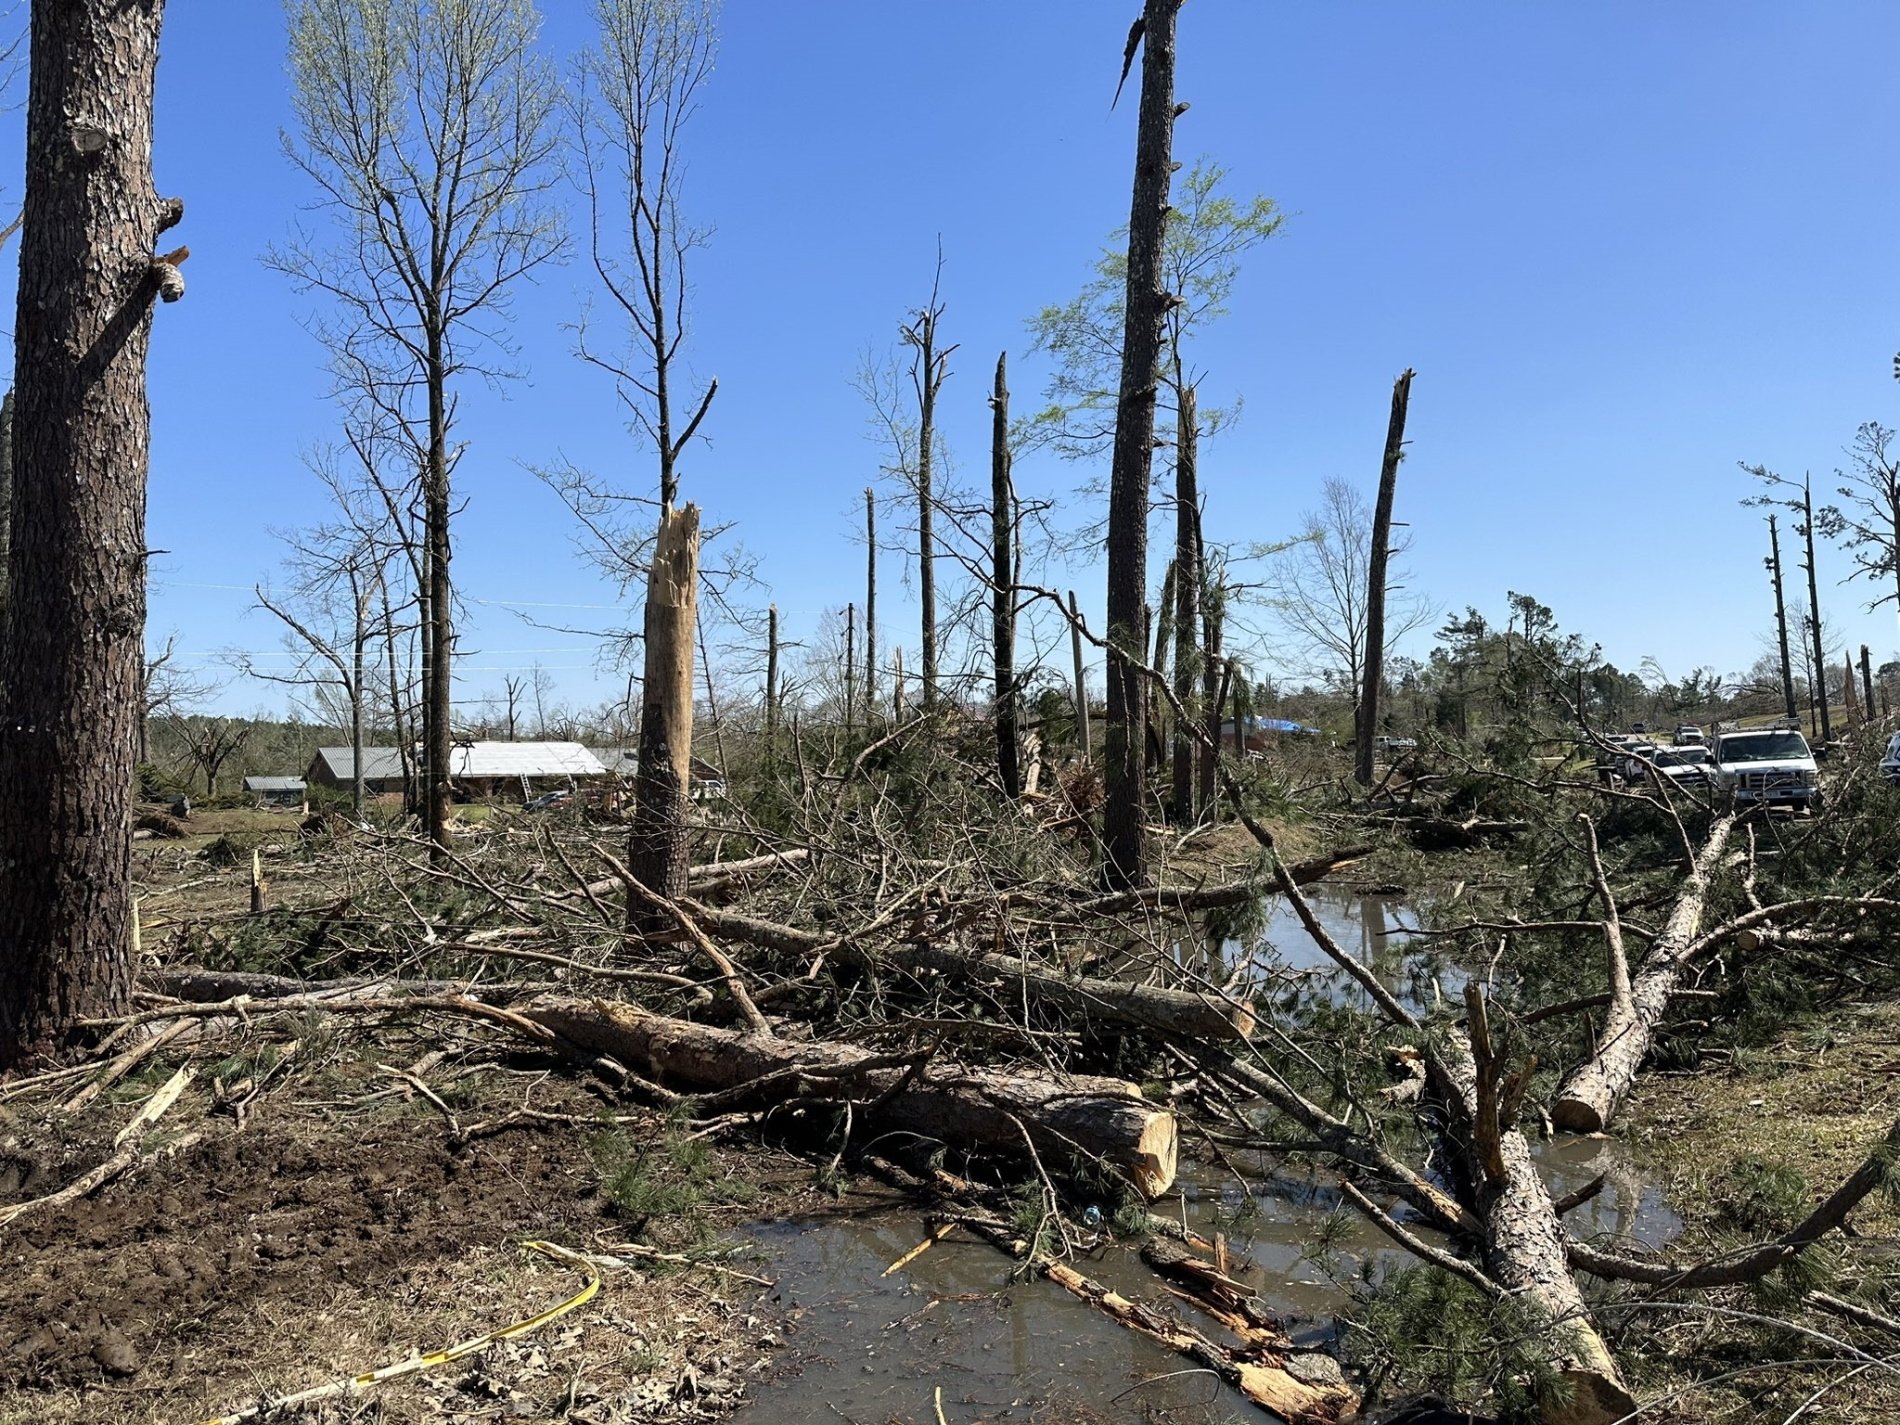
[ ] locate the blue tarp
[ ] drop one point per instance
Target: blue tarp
(1277, 724)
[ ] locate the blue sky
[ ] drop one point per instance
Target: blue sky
(1624, 245)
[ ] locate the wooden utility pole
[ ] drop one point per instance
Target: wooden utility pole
(1187, 598)
(1002, 585)
(1081, 682)
(1368, 722)
(1773, 561)
(870, 606)
(73, 664)
(1814, 609)
(771, 672)
(657, 845)
(1144, 305)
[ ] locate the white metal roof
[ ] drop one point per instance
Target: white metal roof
(524, 759)
(273, 784)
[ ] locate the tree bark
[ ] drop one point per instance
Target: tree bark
(1082, 735)
(1588, 1098)
(1781, 618)
(439, 676)
(1375, 578)
(1211, 670)
(850, 664)
(1814, 614)
(870, 607)
(1145, 306)
(1002, 586)
(1187, 597)
(6, 530)
(1867, 682)
(657, 845)
(771, 671)
(1101, 1118)
(74, 656)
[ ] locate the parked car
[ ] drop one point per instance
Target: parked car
(1685, 764)
(1890, 762)
(548, 801)
(1768, 767)
(1392, 746)
(1689, 735)
(1636, 757)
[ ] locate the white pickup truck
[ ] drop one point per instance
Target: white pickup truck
(1770, 766)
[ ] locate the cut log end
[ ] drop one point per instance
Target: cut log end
(1156, 1155)
(1574, 1113)
(1591, 1397)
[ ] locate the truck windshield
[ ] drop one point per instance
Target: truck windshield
(1682, 757)
(1764, 747)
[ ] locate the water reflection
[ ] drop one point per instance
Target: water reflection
(1373, 929)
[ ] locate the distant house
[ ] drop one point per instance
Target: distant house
(1260, 733)
(502, 768)
(481, 769)
(283, 792)
(708, 780)
(335, 767)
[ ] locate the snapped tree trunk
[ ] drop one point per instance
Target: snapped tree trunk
(1144, 307)
(74, 660)
(1368, 722)
(1213, 686)
(1081, 682)
(1589, 1096)
(771, 671)
(1867, 681)
(1781, 618)
(1095, 1118)
(870, 606)
(1814, 614)
(1002, 586)
(657, 846)
(1187, 598)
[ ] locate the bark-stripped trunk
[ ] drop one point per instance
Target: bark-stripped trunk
(1144, 307)
(1375, 579)
(1187, 597)
(656, 851)
(1781, 618)
(929, 378)
(1002, 582)
(1102, 1118)
(1588, 1098)
(74, 657)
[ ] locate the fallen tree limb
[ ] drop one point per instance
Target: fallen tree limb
(1756, 1262)
(1587, 1100)
(1098, 1118)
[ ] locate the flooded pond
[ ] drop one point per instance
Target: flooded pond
(873, 1349)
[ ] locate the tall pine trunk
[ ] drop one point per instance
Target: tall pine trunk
(1145, 305)
(1187, 596)
(656, 853)
(1002, 582)
(870, 607)
(1781, 618)
(74, 651)
(1368, 721)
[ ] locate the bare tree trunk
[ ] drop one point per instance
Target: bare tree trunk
(1587, 1100)
(1814, 612)
(1867, 680)
(74, 656)
(1002, 581)
(657, 847)
(850, 664)
(1213, 672)
(897, 683)
(1081, 681)
(927, 377)
(438, 672)
(1144, 306)
(1781, 617)
(1187, 597)
(1375, 579)
(6, 534)
(870, 606)
(359, 690)
(771, 672)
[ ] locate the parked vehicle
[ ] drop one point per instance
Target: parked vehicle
(1636, 757)
(1687, 765)
(1689, 735)
(1768, 767)
(1890, 763)
(548, 801)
